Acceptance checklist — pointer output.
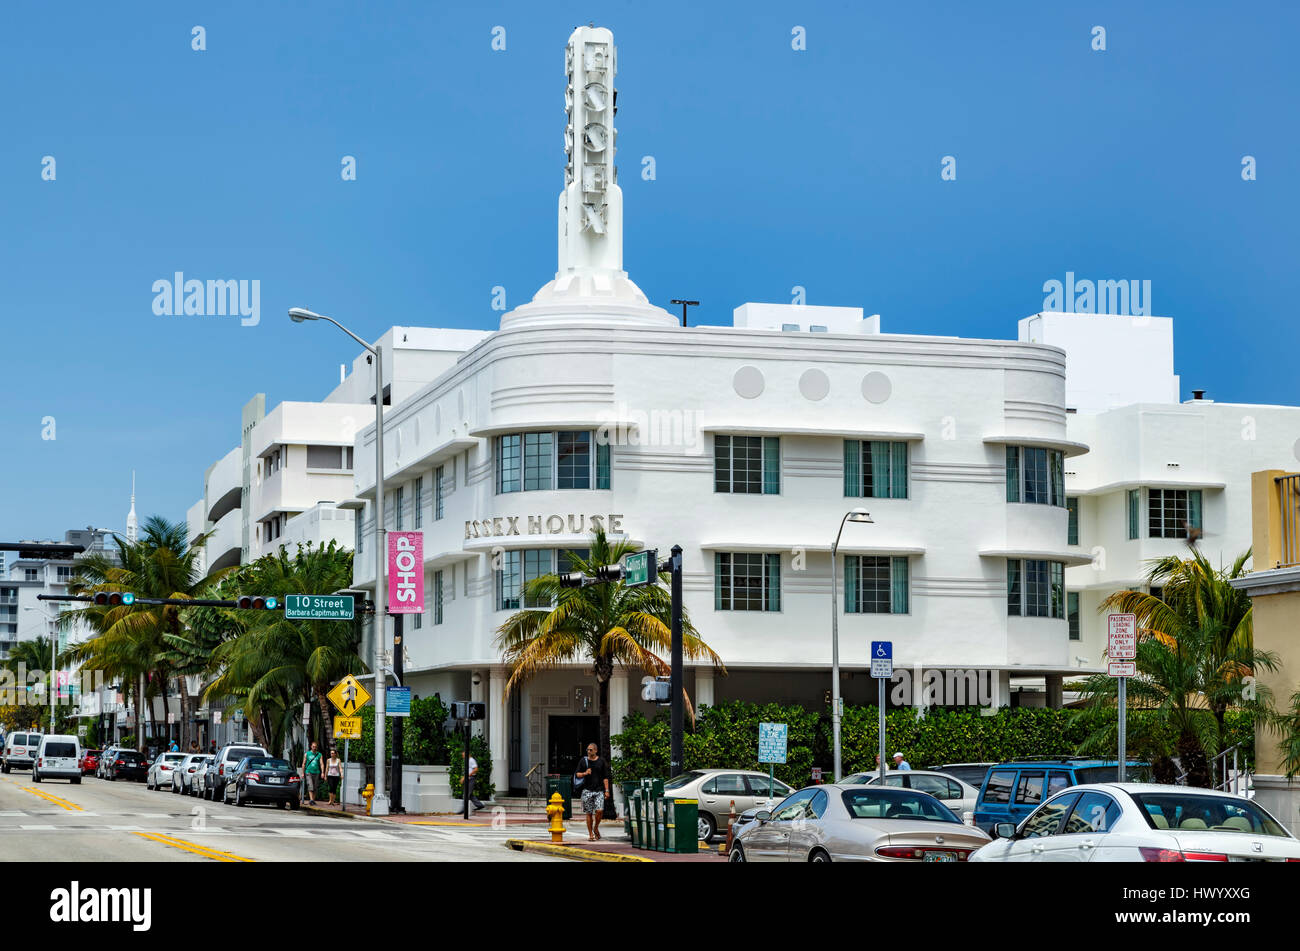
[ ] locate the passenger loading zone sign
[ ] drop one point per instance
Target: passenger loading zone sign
(1121, 643)
(771, 742)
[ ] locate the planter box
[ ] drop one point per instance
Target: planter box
(424, 788)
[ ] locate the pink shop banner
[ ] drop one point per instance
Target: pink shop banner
(406, 572)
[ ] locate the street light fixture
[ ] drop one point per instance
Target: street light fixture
(853, 515)
(379, 804)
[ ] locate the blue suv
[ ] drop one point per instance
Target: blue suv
(1011, 791)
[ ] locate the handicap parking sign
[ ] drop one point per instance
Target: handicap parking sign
(882, 659)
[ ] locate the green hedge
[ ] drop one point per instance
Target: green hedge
(425, 742)
(726, 737)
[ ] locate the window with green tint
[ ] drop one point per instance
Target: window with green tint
(508, 578)
(1035, 475)
(1072, 536)
(1013, 587)
(602, 465)
(1035, 588)
(875, 584)
(747, 464)
(1013, 474)
(1170, 512)
(437, 597)
(875, 469)
(1072, 614)
(1134, 511)
(439, 492)
(417, 501)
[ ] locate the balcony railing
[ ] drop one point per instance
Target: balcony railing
(1289, 493)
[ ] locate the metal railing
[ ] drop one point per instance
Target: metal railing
(535, 782)
(1235, 782)
(1289, 497)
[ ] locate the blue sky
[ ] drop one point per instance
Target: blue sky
(775, 168)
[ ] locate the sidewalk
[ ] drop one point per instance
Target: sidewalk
(607, 850)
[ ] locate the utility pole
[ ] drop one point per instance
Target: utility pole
(678, 714)
(399, 723)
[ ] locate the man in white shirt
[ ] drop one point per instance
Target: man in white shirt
(473, 771)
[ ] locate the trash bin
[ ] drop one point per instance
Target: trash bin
(557, 783)
(681, 825)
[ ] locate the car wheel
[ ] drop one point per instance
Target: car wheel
(148, 783)
(239, 797)
(295, 805)
(76, 780)
(737, 854)
(5, 769)
(282, 804)
(708, 827)
(36, 777)
(819, 856)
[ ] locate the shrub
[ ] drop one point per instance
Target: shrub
(484, 788)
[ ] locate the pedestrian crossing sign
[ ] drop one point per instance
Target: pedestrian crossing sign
(347, 728)
(349, 696)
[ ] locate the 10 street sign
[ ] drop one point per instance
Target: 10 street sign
(319, 607)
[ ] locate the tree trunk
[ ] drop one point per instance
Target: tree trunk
(326, 734)
(602, 694)
(1193, 760)
(183, 690)
(140, 715)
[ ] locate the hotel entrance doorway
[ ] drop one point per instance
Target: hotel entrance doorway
(566, 742)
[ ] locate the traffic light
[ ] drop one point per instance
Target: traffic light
(113, 599)
(255, 602)
(468, 710)
(575, 579)
(608, 573)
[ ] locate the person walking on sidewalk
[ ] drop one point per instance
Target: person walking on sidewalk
(469, 785)
(595, 776)
(333, 775)
(311, 772)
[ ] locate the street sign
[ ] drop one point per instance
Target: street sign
(347, 728)
(1123, 668)
(171, 718)
(319, 607)
(817, 774)
(349, 696)
(771, 742)
(406, 572)
(882, 659)
(216, 718)
(1122, 640)
(397, 701)
(306, 713)
(640, 568)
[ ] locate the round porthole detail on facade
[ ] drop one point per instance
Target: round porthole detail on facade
(748, 382)
(876, 387)
(814, 385)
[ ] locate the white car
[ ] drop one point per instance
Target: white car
(160, 772)
(58, 757)
(20, 750)
(1140, 822)
(184, 772)
(948, 789)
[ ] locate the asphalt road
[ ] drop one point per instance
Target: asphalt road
(101, 821)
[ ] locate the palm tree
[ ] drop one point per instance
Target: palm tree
(1195, 656)
(276, 664)
(28, 656)
(600, 624)
(130, 641)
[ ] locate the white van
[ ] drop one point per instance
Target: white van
(58, 757)
(20, 750)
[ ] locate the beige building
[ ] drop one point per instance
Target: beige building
(1274, 588)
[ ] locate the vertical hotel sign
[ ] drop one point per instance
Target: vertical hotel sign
(405, 572)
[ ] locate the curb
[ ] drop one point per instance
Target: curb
(571, 852)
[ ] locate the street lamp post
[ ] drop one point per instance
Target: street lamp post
(54, 644)
(379, 804)
(853, 515)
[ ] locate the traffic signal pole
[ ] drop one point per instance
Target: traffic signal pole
(399, 723)
(676, 686)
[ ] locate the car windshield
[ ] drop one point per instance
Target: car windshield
(128, 757)
(1135, 773)
(60, 749)
(1200, 813)
(261, 763)
(874, 803)
(685, 779)
(173, 757)
(239, 752)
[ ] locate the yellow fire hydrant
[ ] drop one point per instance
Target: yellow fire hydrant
(368, 794)
(555, 809)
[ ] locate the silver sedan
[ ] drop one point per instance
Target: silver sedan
(837, 823)
(183, 774)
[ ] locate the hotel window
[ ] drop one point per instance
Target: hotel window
(789, 328)
(29, 574)
(1134, 512)
(875, 469)
(528, 462)
(1035, 476)
(399, 499)
(1035, 588)
(875, 584)
(438, 493)
(746, 582)
(747, 464)
(520, 567)
(63, 574)
(417, 501)
(1072, 533)
(1072, 614)
(817, 329)
(417, 621)
(361, 535)
(437, 597)
(1171, 511)
(328, 457)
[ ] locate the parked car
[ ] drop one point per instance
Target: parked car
(952, 792)
(20, 751)
(58, 757)
(1011, 791)
(717, 788)
(104, 757)
(160, 771)
(1143, 822)
(183, 774)
(90, 761)
(125, 764)
(222, 767)
(264, 779)
(837, 823)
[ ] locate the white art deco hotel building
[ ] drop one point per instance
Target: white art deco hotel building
(746, 445)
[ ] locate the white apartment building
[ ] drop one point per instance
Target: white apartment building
(1156, 467)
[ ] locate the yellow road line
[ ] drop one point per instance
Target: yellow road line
(48, 797)
(194, 847)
